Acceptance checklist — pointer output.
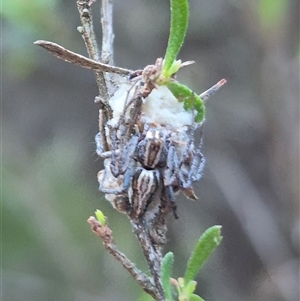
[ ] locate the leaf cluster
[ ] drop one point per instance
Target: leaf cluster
(186, 285)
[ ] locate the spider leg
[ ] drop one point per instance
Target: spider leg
(175, 170)
(115, 192)
(169, 171)
(128, 152)
(109, 184)
(170, 197)
(114, 162)
(124, 139)
(170, 179)
(195, 165)
(99, 145)
(100, 138)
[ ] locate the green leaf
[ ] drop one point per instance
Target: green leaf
(190, 287)
(100, 217)
(189, 98)
(165, 273)
(203, 249)
(194, 297)
(178, 27)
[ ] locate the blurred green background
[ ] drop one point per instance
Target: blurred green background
(251, 142)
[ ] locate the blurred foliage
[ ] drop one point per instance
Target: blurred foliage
(251, 143)
(23, 22)
(31, 16)
(272, 12)
(45, 209)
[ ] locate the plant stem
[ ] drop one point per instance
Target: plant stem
(88, 35)
(79, 60)
(142, 279)
(107, 32)
(152, 257)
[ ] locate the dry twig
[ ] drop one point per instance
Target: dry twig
(79, 60)
(105, 233)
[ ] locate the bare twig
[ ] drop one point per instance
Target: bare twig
(88, 35)
(112, 80)
(208, 93)
(107, 32)
(105, 233)
(79, 60)
(152, 257)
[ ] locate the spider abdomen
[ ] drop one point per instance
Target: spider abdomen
(144, 184)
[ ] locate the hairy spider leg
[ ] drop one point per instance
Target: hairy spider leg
(99, 147)
(190, 167)
(129, 151)
(100, 138)
(121, 155)
(169, 193)
(175, 165)
(123, 188)
(124, 141)
(114, 162)
(119, 143)
(134, 104)
(197, 166)
(197, 162)
(169, 178)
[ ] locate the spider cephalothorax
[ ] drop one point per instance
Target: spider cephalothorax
(152, 148)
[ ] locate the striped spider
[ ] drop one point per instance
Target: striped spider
(148, 162)
(125, 178)
(129, 173)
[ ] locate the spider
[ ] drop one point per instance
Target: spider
(148, 160)
(122, 178)
(125, 176)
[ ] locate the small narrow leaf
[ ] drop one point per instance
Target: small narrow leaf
(165, 273)
(178, 26)
(190, 287)
(194, 297)
(100, 217)
(180, 283)
(189, 98)
(203, 249)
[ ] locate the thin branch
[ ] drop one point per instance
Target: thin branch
(112, 80)
(208, 93)
(88, 35)
(150, 254)
(107, 55)
(105, 233)
(79, 60)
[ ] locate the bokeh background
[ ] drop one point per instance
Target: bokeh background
(251, 143)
